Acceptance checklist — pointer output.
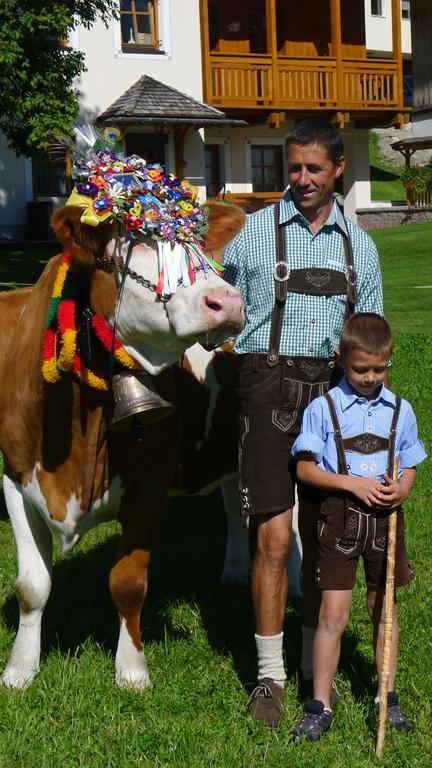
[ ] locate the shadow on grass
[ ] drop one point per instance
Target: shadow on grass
(23, 264)
(380, 174)
(186, 567)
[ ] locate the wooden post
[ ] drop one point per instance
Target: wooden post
(270, 9)
(397, 49)
(336, 35)
(205, 51)
(388, 624)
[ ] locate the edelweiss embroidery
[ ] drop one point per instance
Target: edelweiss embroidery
(366, 444)
(318, 280)
(312, 369)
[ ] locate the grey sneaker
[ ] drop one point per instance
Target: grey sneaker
(266, 702)
(396, 717)
(315, 722)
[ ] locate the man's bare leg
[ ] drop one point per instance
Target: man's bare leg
(269, 595)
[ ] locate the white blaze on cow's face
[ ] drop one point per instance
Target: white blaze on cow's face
(156, 333)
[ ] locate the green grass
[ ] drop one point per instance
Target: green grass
(385, 177)
(199, 635)
(21, 265)
(406, 262)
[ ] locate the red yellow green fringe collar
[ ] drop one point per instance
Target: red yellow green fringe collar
(60, 353)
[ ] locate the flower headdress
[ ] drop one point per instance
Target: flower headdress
(147, 199)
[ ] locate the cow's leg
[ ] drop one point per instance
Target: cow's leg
(237, 563)
(128, 585)
(34, 550)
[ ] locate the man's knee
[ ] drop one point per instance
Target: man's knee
(274, 537)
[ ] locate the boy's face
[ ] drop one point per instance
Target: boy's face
(365, 372)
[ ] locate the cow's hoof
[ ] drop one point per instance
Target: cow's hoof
(132, 681)
(17, 678)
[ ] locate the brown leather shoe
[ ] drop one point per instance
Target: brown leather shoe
(266, 702)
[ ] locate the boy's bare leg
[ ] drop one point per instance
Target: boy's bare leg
(333, 617)
(376, 608)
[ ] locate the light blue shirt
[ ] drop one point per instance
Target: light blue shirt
(357, 415)
(312, 324)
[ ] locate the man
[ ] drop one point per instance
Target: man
(302, 268)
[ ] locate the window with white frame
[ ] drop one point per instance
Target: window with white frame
(406, 11)
(267, 168)
(139, 23)
(376, 8)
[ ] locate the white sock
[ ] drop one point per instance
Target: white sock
(306, 664)
(270, 661)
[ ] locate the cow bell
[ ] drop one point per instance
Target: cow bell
(135, 397)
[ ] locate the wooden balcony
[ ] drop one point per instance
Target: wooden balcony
(264, 55)
(258, 82)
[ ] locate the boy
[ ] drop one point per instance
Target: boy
(353, 468)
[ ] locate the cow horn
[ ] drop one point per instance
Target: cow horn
(135, 397)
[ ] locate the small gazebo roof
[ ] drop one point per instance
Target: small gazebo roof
(150, 101)
(420, 142)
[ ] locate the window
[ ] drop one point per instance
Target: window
(376, 8)
(406, 11)
(49, 176)
(212, 170)
(266, 168)
(139, 25)
(257, 29)
(150, 146)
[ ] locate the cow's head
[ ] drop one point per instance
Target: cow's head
(155, 332)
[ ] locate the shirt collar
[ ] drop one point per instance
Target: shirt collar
(288, 212)
(348, 397)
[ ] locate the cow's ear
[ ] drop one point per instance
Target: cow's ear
(81, 240)
(225, 222)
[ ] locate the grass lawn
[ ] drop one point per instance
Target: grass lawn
(22, 264)
(406, 263)
(199, 634)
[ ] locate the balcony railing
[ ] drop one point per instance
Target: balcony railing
(256, 82)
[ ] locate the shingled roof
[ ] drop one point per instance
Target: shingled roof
(150, 101)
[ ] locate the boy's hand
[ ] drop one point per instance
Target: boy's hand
(395, 492)
(367, 489)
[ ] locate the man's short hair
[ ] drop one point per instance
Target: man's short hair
(366, 332)
(315, 130)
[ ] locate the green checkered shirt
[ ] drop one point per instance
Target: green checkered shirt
(312, 324)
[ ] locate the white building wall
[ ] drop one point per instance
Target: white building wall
(110, 72)
(379, 31)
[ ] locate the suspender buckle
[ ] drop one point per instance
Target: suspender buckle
(281, 271)
(351, 275)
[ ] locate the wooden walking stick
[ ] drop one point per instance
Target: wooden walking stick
(388, 624)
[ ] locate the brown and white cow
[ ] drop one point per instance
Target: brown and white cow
(64, 471)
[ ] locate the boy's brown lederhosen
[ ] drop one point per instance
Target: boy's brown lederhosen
(275, 389)
(348, 529)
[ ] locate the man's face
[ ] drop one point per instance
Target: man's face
(312, 175)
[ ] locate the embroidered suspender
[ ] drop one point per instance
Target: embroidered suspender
(313, 281)
(281, 273)
(339, 442)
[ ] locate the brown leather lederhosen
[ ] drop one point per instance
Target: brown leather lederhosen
(275, 389)
(349, 529)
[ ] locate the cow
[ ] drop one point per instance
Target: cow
(64, 469)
